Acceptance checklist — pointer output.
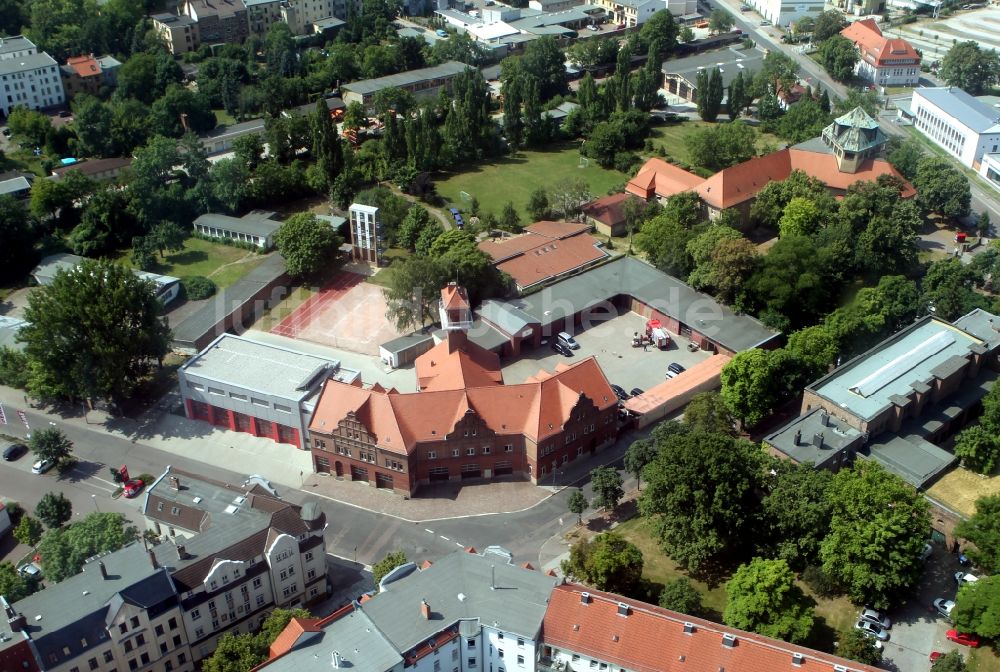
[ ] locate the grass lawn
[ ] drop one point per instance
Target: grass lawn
(960, 488)
(514, 178)
(833, 615)
(984, 659)
(222, 263)
(673, 138)
(223, 118)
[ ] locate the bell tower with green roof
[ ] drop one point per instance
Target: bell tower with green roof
(854, 138)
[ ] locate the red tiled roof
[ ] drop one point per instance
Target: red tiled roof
(84, 66)
(552, 259)
(652, 639)
(608, 210)
(453, 297)
(537, 408)
(295, 629)
(457, 363)
(659, 178)
(741, 182)
(557, 230)
(875, 47)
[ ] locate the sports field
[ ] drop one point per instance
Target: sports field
(514, 178)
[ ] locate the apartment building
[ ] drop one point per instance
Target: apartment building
(630, 13)
(27, 78)
(421, 83)
(87, 74)
(884, 61)
(783, 13)
(219, 21)
(262, 14)
(120, 613)
(180, 32)
(233, 553)
(960, 124)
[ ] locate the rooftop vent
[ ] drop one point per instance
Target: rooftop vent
(38, 617)
(461, 597)
(798, 659)
(839, 668)
(729, 640)
(622, 609)
(231, 509)
(196, 500)
(818, 439)
(688, 628)
(584, 598)
(175, 483)
(614, 638)
(798, 436)
(335, 659)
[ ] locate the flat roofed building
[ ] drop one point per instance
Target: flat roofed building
(253, 387)
(817, 438)
(179, 31)
(97, 169)
(27, 78)
(680, 75)
(219, 21)
(18, 186)
(421, 83)
(256, 228)
(631, 13)
(220, 139)
(167, 287)
(960, 124)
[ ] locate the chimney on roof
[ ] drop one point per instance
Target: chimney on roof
(104, 570)
(729, 640)
(175, 483)
(152, 558)
(824, 418)
(818, 439)
(335, 660)
(181, 552)
(425, 610)
(798, 437)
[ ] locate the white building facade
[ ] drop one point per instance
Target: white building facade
(27, 78)
(964, 127)
(989, 168)
(366, 233)
(782, 13)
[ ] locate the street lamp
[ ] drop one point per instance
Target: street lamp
(94, 497)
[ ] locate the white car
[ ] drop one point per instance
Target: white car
(876, 618)
(872, 630)
(591, 26)
(41, 466)
(962, 578)
(944, 607)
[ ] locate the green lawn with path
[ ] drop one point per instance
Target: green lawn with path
(223, 264)
(514, 178)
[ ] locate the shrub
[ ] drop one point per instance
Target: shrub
(822, 583)
(198, 287)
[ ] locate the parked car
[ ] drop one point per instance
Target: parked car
(944, 607)
(41, 466)
(674, 369)
(441, 33)
(873, 630)
(636, 391)
(591, 26)
(961, 578)
(561, 348)
(14, 451)
(567, 340)
(620, 392)
(876, 617)
(134, 487)
(963, 638)
(29, 569)
(454, 211)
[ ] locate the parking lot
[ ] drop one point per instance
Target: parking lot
(917, 629)
(611, 343)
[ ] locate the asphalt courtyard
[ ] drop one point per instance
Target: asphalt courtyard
(611, 343)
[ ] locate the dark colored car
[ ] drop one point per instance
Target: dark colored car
(674, 369)
(636, 391)
(14, 451)
(620, 392)
(561, 348)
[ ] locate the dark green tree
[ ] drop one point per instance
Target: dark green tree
(17, 252)
(50, 444)
(28, 531)
(983, 531)
(607, 562)
(856, 645)
(970, 67)
(327, 148)
(827, 24)
(795, 513)
(64, 550)
(948, 288)
(607, 485)
(308, 244)
(75, 342)
(941, 187)
(640, 453)
(905, 157)
(737, 99)
(720, 21)
(979, 449)
(839, 56)
(878, 527)
(680, 595)
(13, 586)
(709, 94)
(977, 607)
(413, 291)
(664, 238)
(708, 412)
(538, 204)
(722, 146)
(54, 509)
(577, 503)
(762, 597)
(509, 219)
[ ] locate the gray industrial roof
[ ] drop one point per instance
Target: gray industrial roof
(242, 128)
(229, 300)
(457, 587)
(627, 276)
(836, 436)
(48, 267)
(332, 103)
(23, 63)
(328, 23)
(250, 365)
(14, 185)
(970, 112)
(916, 461)
(15, 43)
(253, 224)
(446, 69)
(357, 640)
(486, 336)
(729, 62)
(866, 384)
(180, 19)
(982, 325)
(75, 613)
(507, 315)
(405, 342)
